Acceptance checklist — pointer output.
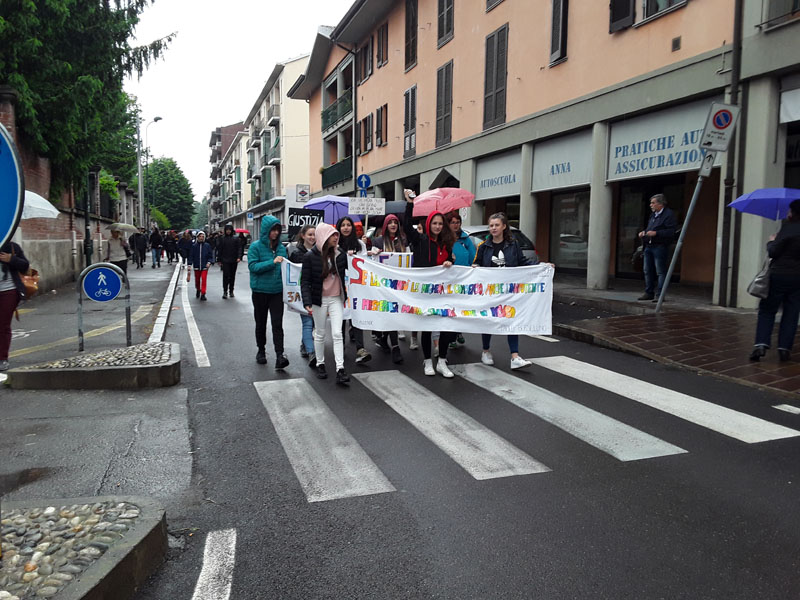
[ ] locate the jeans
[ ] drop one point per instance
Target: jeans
(513, 342)
(268, 305)
(445, 337)
(308, 332)
(784, 290)
(333, 308)
(228, 276)
(8, 303)
(156, 254)
(655, 268)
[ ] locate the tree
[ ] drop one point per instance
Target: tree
(200, 214)
(162, 222)
(170, 191)
(68, 59)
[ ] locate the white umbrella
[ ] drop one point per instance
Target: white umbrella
(37, 207)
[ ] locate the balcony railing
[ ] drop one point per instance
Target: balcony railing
(274, 115)
(274, 155)
(337, 173)
(338, 110)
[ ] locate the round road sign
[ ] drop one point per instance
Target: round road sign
(12, 187)
(722, 119)
(102, 284)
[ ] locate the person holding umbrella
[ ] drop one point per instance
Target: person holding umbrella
(117, 251)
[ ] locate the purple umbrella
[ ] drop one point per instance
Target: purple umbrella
(335, 208)
(770, 203)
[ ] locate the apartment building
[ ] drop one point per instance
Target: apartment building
(568, 116)
(222, 139)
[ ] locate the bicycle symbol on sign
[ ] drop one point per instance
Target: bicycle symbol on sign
(102, 292)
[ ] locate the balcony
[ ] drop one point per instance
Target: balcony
(338, 110)
(215, 202)
(273, 156)
(252, 172)
(274, 115)
(337, 173)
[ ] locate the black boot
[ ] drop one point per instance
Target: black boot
(281, 362)
(784, 354)
(342, 377)
(261, 357)
(321, 372)
(757, 353)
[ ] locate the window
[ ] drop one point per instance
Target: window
(444, 104)
(410, 122)
(364, 61)
(381, 125)
(411, 33)
(383, 45)
(558, 39)
(494, 95)
(652, 7)
(622, 14)
(368, 133)
(490, 4)
(358, 131)
(445, 22)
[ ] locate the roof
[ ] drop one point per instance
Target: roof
(362, 18)
(304, 87)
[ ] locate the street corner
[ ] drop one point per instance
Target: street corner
(80, 548)
(133, 367)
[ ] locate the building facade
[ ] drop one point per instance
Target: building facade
(569, 116)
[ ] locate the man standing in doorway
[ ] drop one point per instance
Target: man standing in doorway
(229, 255)
(656, 238)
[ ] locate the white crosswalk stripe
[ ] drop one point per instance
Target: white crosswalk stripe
(723, 420)
(479, 451)
(604, 433)
(328, 461)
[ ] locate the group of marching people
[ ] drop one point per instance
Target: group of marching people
(323, 252)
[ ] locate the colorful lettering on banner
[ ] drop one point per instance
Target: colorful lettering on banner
(292, 294)
(403, 260)
(470, 300)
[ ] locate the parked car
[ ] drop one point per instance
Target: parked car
(479, 233)
(571, 252)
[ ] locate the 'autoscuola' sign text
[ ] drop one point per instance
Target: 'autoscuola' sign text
(498, 175)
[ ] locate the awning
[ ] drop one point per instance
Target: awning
(790, 106)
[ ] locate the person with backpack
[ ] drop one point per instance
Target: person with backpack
(323, 290)
(264, 260)
(432, 248)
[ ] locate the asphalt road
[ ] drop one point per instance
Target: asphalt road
(663, 501)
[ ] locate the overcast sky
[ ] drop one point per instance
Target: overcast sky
(215, 68)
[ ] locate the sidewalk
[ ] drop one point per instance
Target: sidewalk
(689, 332)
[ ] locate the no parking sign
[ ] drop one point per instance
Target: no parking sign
(719, 127)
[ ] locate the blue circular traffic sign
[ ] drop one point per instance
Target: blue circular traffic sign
(722, 119)
(363, 181)
(12, 187)
(102, 284)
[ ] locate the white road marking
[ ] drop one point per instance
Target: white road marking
(328, 461)
(480, 451)
(160, 325)
(788, 408)
(200, 354)
(544, 338)
(216, 575)
(706, 414)
(621, 441)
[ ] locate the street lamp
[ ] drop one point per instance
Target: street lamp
(147, 164)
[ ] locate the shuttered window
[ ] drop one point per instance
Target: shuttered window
(490, 4)
(368, 133)
(558, 39)
(411, 33)
(358, 131)
(445, 22)
(622, 14)
(381, 125)
(410, 122)
(444, 104)
(494, 97)
(383, 45)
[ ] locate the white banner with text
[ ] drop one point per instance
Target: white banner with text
(513, 300)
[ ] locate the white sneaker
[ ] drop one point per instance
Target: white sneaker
(486, 358)
(413, 344)
(427, 364)
(441, 366)
(519, 363)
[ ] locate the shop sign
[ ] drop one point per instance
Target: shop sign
(562, 162)
(659, 143)
(498, 176)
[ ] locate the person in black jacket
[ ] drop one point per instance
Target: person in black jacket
(657, 238)
(156, 241)
(170, 246)
(304, 242)
(784, 289)
(229, 255)
(432, 248)
(12, 290)
(185, 247)
(501, 250)
(138, 244)
(323, 289)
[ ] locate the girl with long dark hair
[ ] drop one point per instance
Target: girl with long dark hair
(350, 244)
(304, 242)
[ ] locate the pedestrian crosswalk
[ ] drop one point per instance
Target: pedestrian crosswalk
(330, 464)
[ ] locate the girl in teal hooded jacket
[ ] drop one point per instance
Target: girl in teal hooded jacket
(264, 259)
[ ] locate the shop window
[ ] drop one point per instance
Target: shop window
(494, 96)
(569, 230)
(411, 33)
(445, 28)
(444, 104)
(558, 34)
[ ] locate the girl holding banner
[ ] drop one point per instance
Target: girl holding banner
(305, 242)
(432, 248)
(392, 239)
(323, 290)
(350, 244)
(501, 250)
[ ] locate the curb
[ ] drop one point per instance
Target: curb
(610, 304)
(126, 377)
(160, 325)
(590, 337)
(128, 563)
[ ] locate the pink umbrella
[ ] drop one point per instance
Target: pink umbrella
(442, 200)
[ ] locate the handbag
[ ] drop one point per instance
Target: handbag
(759, 287)
(30, 280)
(637, 259)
